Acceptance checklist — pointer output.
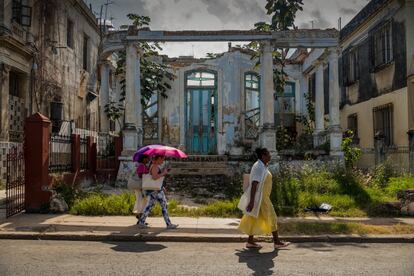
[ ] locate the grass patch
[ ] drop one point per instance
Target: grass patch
(98, 204)
(2, 185)
(338, 228)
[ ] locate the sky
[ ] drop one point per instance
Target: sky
(220, 15)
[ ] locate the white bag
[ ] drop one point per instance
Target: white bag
(134, 182)
(148, 183)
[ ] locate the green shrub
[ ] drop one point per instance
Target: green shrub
(2, 185)
(382, 174)
(396, 184)
(352, 153)
(285, 193)
(100, 204)
(318, 181)
(227, 208)
(68, 192)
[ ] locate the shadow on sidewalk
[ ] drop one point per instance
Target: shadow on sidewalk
(136, 247)
(260, 263)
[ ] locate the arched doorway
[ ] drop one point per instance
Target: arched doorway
(201, 111)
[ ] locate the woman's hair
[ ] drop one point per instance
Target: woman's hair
(142, 157)
(260, 152)
(158, 156)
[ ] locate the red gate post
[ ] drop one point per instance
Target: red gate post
(91, 150)
(36, 154)
(76, 153)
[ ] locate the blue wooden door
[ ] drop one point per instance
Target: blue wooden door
(201, 137)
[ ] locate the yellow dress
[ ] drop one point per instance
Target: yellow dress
(266, 221)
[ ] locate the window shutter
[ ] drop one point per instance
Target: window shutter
(26, 16)
(345, 66)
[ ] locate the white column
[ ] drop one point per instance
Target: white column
(267, 120)
(319, 101)
(335, 132)
(104, 96)
(319, 107)
(132, 88)
(304, 90)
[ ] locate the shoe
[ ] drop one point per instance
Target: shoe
(253, 245)
(281, 245)
(172, 226)
(142, 226)
(145, 223)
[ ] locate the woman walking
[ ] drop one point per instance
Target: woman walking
(259, 215)
(157, 195)
(140, 198)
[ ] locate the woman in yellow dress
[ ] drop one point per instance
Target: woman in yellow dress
(259, 215)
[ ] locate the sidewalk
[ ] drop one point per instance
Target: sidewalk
(121, 228)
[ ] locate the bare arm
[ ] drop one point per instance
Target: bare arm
(252, 196)
(154, 173)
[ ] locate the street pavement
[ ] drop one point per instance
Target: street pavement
(18, 257)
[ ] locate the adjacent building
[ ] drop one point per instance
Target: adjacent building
(48, 64)
(377, 80)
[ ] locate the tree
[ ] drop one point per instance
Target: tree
(155, 76)
(283, 14)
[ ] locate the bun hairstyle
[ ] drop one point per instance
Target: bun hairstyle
(260, 152)
(142, 157)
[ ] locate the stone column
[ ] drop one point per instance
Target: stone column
(335, 131)
(267, 120)
(4, 102)
(104, 95)
(132, 89)
(132, 132)
(304, 89)
(319, 106)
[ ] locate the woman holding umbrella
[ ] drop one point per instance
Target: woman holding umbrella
(158, 152)
(157, 195)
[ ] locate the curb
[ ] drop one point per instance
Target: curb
(201, 239)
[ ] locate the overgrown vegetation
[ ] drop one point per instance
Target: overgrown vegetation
(155, 76)
(2, 185)
(350, 192)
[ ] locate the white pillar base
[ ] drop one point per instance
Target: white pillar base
(130, 140)
(335, 138)
(126, 167)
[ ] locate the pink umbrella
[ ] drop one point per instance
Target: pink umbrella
(167, 151)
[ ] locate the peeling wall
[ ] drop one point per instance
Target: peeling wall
(231, 68)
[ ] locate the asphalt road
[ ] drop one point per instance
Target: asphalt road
(19, 257)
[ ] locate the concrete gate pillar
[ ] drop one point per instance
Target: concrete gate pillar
(335, 131)
(267, 136)
(36, 158)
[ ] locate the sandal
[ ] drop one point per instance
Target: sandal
(253, 245)
(281, 245)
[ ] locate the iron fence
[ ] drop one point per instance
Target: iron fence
(83, 153)
(15, 181)
(60, 153)
(106, 151)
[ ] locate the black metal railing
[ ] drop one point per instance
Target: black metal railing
(15, 181)
(60, 153)
(105, 151)
(83, 153)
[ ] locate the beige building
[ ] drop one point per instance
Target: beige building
(377, 91)
(48, 64)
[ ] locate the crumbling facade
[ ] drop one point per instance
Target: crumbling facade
(48, 64)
